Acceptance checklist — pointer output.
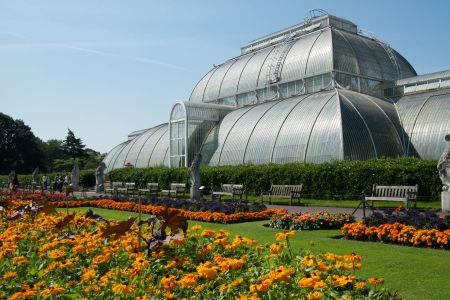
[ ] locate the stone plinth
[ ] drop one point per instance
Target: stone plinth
(445, 202)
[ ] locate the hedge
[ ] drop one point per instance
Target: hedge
(87, 177)
(335, 180)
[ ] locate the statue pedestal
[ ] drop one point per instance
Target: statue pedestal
(196, 193)
(445, 202)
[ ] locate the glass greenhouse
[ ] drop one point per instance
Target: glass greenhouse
(315, 92)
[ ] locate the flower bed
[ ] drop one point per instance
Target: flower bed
(309, 221)
(51, 256)
(398, 233)
(227, 207)
(422, 219)
(32, 195)
(204, 216)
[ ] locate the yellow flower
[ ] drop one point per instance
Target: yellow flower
(314, 295)
(360, 285)
(196, 227)
(308, 261)
(285, 235)
(276, 248)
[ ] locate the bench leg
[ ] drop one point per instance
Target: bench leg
(290, 201)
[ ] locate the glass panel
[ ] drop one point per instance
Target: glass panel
(178, 112)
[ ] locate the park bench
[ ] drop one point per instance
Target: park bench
(230, 190)
(392, 193)
(284, 191)
(115, 186)
(177, 189)
(129, 188)
(152, 188)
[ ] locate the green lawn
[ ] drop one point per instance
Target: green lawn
(415, 273)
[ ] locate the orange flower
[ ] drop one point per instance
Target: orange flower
(122, 289)
(20, 260)
(314, 295)
(189, 280)
(375, 280)
(207, 271)
(9, 275)
(88, 274)
(261, 287)
(140, 263)
(281, 274)
(52, 291)
(169, 282)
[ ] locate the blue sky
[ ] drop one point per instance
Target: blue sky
(105, 68)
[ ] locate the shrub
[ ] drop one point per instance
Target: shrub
(335, 180)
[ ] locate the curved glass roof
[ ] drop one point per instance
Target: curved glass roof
(425, 119)
(147, 149)
(321, 51)
(319, 127)
(302, 95)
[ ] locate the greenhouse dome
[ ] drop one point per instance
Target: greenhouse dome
(315, 92)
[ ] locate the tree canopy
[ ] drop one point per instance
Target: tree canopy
(20, 150)
(72, 145)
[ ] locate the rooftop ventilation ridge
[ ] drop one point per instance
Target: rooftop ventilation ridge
(316, 20)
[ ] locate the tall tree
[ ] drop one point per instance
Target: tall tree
(20, 150)
(72, 145)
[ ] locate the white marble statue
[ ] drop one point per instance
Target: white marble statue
(443, 167)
